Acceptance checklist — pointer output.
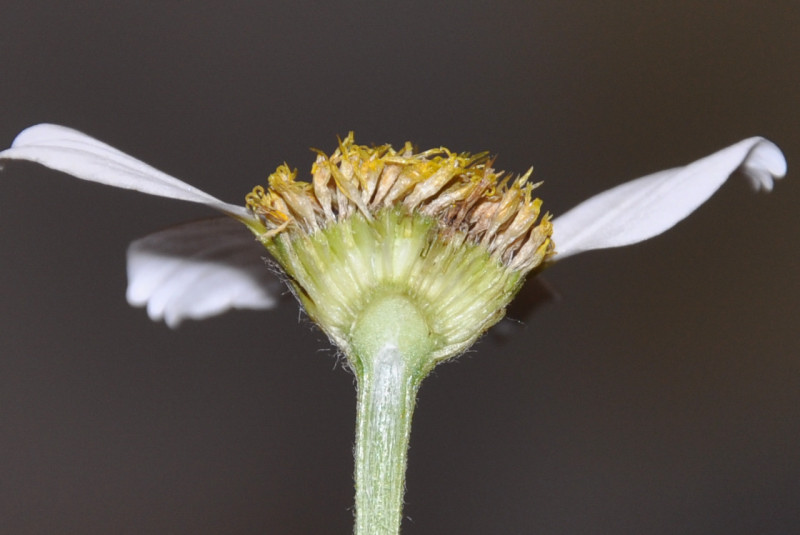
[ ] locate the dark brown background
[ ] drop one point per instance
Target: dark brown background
(660, 395)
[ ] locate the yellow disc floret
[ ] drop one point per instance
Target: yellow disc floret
(460, 191)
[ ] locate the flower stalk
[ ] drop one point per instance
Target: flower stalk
(392, 352)
(387, 390)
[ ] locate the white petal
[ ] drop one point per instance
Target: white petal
(646, 207)
(198, 270)
(81, 156)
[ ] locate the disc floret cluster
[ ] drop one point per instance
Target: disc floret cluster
(444, 231)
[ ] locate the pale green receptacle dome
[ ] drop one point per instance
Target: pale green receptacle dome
(425, 248)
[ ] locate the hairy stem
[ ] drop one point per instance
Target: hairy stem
(387, 390)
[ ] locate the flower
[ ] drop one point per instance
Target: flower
(402, 258)
(201, 269)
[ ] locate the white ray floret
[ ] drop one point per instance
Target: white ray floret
(646, 207)
(200, 269)
(72, 152)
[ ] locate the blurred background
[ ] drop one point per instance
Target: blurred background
(659, 392)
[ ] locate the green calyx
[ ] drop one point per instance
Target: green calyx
(395, 279)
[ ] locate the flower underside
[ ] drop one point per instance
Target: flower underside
(443, 231)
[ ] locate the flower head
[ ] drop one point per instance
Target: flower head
(441, 236)
(375, 221)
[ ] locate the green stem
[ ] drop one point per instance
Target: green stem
(387, 391)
